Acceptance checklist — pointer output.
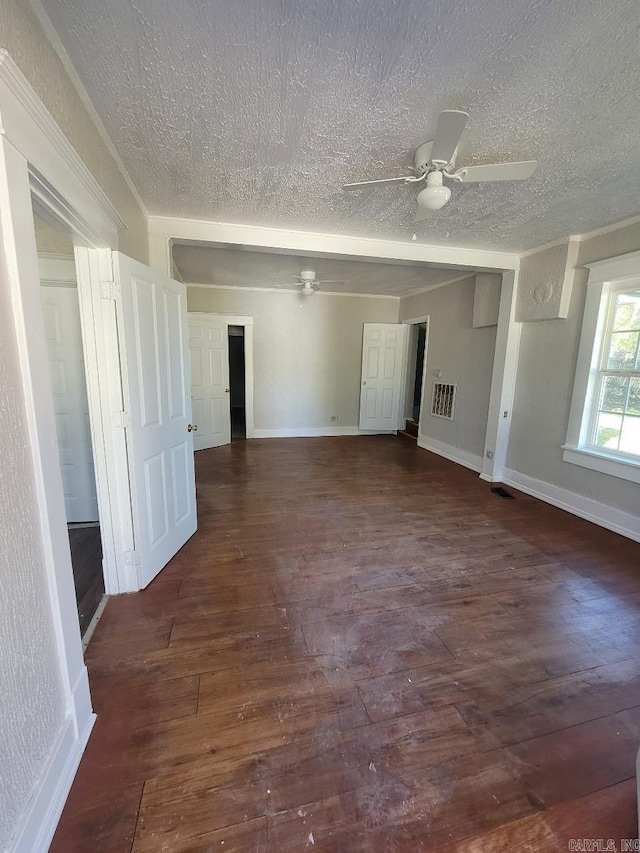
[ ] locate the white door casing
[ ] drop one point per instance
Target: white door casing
(209, 356)
(152, 327)
(61, 316)
(383, 357)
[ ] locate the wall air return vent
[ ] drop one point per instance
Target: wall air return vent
(444, 400)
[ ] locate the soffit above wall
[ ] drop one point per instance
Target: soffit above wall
(238, 268)
(260, 117)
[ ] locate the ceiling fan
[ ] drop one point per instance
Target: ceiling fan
(435, 160)
(309, 282)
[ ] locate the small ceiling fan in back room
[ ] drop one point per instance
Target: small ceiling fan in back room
(309, 283)
(435, 161)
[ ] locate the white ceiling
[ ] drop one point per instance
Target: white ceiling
(257, 112)
(238, 268)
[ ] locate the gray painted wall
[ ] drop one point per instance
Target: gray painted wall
(464, 354)
(544, 385)
(307, 351)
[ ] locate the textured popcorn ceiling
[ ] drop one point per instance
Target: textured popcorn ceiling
(257, 112)
(237, 268)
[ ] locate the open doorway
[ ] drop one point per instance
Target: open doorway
(237, 385)
(221, 353)
(62, 325)
(414, 391)
(419, 368)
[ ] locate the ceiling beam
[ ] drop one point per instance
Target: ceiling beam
(331, 245)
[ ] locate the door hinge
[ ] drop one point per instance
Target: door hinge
(110, 290)
(120, 420)
(132, 558)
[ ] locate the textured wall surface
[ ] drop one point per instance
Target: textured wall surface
(49, 241)
(31, 698)
(22, 36)
(541, 285)
(465, 356)
(236, 268)
(307, 351)
(486, 299)
(544, 385)
(259, 112)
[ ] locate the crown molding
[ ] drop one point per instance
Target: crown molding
(29, 127)
(55, 42)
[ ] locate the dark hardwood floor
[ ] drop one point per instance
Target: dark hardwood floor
(364, 649)
(88, 575)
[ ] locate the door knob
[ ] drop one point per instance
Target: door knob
(192, 428)
(226, 390)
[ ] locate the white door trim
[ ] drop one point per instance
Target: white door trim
(503, 382)
(35, 157)
(247, 322)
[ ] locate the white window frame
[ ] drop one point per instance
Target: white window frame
(605, 278)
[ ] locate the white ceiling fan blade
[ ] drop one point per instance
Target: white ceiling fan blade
(449, 129)
(407, 180)
(422, 214)
(330, 281)
(499, 172)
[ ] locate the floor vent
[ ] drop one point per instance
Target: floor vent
(503, 493)
(444, 400)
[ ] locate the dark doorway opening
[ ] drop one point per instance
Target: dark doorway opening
(417, 387)
(237, 383)
(88, 577)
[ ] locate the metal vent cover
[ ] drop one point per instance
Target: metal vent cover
(443, 401)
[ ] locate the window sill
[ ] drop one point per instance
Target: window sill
(625, 469)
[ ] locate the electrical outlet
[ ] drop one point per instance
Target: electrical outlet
(489, 454)
(334, 418)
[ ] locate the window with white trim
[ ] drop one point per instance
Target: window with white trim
(604, 422)
(615, 416)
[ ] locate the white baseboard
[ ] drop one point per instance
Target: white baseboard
(40, 818)
(311, 432)
(620, 522)
(455, 454)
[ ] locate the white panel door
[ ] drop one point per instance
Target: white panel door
(66, 364)
(154, 352)
(209, 351)
(383, 351)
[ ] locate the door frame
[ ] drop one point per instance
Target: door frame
(40, 171)
(416, 321)
(246, 321)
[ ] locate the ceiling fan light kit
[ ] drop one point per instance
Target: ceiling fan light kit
(433, 161)
(435, 195)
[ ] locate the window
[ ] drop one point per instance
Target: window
(615, 423)
(604, 423)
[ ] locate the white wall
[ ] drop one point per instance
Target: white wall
(31, 695)
(31, 698)
(465, 355)
(307, 352)
(544, 385)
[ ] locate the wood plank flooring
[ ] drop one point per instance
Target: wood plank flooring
(88, 575)
(364, 649)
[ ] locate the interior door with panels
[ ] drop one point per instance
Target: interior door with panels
(66, 364)
(383, 350)
(209, 354)
(154, 353)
